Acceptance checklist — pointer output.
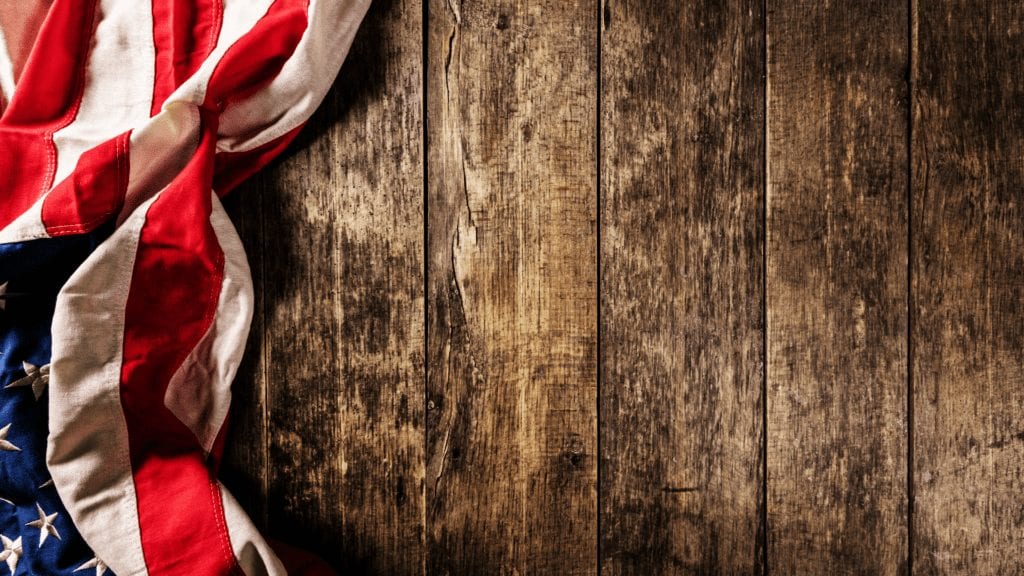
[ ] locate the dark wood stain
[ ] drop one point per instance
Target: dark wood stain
(968, 288)
(837, 287)
(682, 278)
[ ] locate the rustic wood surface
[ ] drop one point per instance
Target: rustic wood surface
(329, 429)
(696, 288)
(682, 186)
(968, 288)
(837, 287)
(511, 482)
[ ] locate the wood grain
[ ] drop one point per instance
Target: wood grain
(335, 236)
(511, 287)
(682, 283)
(968, 288)
(837, 287)
(803, 281)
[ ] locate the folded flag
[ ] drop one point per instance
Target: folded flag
(125, 296)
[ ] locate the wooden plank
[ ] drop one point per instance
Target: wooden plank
(511, 287)
(682, 282)
(246, 460)
(837, 286)
(339, 259)
(968, 288)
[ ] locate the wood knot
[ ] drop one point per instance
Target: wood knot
(574, 452)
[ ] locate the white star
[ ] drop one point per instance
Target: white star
(45, 525)
(3, 296)
(96, 563)
(11, 552)
(4, 444)
(35, 377)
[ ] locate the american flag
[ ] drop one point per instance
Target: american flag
(125, 297)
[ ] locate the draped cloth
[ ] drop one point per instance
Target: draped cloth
(125, 296)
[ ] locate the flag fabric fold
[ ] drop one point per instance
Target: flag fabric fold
(125, 294)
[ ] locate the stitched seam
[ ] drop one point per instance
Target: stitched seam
(222, 525)
(72, 113)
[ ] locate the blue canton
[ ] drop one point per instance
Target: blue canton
(36, 533)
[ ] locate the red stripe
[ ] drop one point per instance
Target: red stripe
(47, 99)
(92, 193)
(233, 168)
(256, 58)
(27, 167)
(184, 34)
(299, 562)
(176, 281)
(53, 78)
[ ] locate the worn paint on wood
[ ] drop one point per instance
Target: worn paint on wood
(682, 287)
(331, 402)
(968, 288)
(837, 287)
(511, 287)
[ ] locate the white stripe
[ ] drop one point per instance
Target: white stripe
(293, 95)
(199, 393)
(239, 17)
(118, 90)
(6, 71)
(254, 555)
(87, 450)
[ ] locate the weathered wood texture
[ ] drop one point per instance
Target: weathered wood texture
(785, 248)
(330, 406)
(682, 287)
(511, 484)
(968, 288)
(837, 138)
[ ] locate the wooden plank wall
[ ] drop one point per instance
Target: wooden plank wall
(328, 437)
(968, 288)
(682, 277)
(511, 428)
(837, 287)
(622, 287)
